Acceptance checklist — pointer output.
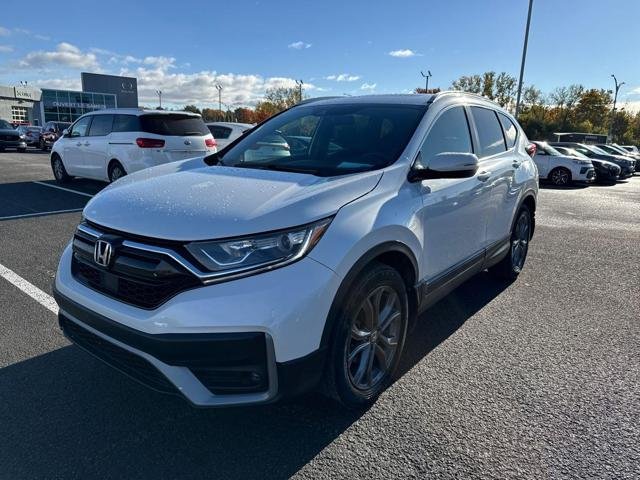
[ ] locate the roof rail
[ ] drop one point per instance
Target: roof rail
(316, 99)
(459, 92)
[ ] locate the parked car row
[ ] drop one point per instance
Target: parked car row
(563, 163)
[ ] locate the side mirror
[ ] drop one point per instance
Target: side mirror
(444, 165)
(65, 132)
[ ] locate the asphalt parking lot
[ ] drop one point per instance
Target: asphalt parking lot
(535, 379)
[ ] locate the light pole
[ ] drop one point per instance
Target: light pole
(299, 83)
(524, 57)
(613, 112)
(219, 88)
(427, 76)
(159, 93)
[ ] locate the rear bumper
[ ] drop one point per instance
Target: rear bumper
(208, 369)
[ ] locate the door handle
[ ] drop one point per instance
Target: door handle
(516, 163)
(86, 144)
(484, 176)
(78, 144)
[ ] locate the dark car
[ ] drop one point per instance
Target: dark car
(619, 150)
(31, 134)
(51, 132)
(627, 165)
(606, 172)
(11, 138)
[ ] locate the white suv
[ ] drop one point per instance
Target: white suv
(560, 169)
(108, 144)
(234, 281)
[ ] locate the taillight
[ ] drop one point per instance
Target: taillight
(531, 149)
(210, 142)
(150, 142)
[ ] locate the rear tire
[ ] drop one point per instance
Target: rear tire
(368, 338)
(116, 171)
(59, 172)
(512, 264)
(560, 177)
(22, 150)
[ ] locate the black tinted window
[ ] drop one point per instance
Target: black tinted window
(489, 131)
(220, 132)
(173, 124)
(450, 133)
(101, 125)
(126, 123)
(510, 130)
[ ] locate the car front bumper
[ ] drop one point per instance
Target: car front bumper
(18, 144)
(248, 341)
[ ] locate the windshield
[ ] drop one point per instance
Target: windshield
(549, 149)
(597, 150)
(328, 140)
(574, 153)
(5, 125)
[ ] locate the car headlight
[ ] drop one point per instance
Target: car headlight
(22, 137)
(257, 252)
(580, 162)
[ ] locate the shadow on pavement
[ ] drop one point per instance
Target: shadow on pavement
(65, 415)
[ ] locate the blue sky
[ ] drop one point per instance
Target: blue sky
(336, 47)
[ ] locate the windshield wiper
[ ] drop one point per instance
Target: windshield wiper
(275, 167)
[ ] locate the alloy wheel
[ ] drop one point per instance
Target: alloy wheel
(58, 169)
(520, 242)
(373, 344)
(560, 177)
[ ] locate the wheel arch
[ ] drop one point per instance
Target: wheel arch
(392, 253)
(529, 199)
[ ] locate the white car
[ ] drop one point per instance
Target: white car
(227, 132)
(108, 144)
(232, 282)
(559, 169)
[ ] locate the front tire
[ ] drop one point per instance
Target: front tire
(512, 264)
(369, 337)
(42, 145)
(59, 172)
(560, 177)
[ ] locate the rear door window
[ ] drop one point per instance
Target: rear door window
(489, 131)
(173, 125)
(101, 125)
(126, 123)
(510, 130)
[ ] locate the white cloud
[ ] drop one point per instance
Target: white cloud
(299, 45)
(159, 62)
(6, 48)
(65, 55)
(368, 86)
(343, 77)
(635, 91)
(199, 88)
(404, 53)
(4, 32)
(59, 83)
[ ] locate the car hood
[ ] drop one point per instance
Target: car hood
(189, 200)
(7, 131)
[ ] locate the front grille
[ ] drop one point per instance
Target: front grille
(10, 138)
(140, 278)
(121, 359)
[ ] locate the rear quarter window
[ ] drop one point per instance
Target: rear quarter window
(126, 123)
(510, 130)
(173, 125)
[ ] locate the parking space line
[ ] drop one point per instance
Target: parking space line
(29, 288)
(63, 188)
(41, 214)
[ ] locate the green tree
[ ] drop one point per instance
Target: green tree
(282, 97)
(472, 84)
(593, 107)
(192, 109)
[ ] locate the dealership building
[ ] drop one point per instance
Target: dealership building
(33, 106)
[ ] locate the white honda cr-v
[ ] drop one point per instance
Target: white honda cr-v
(109, 144)
(231, 280)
